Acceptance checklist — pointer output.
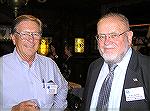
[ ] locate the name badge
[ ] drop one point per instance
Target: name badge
(51, 88)
(134, 94)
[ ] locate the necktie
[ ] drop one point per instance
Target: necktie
(103, 99)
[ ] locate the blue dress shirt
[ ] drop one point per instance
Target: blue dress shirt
(22, 83)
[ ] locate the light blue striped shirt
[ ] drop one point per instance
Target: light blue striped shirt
(21, 82)
(117, 84)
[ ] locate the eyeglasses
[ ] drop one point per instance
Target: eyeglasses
(102, 37)
(27, 35)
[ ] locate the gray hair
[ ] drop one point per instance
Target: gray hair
(121, 17)
(25, 18)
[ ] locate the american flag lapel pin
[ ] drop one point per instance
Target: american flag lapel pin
(135, 79)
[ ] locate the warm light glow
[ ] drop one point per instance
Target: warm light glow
(79, 45)
(43, 48)
(139, 25)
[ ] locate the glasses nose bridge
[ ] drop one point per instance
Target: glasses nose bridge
(107, 36)
(30, 36)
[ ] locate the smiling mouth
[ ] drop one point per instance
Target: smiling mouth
(109, 48)
(29, 46)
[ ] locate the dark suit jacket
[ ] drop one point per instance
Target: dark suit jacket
(138, 67)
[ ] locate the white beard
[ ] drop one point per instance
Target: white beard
(113, 58)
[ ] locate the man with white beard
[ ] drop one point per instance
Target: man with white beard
(127, 86)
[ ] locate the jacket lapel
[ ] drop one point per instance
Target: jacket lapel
(92, 78)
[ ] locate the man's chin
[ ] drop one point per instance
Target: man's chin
(110, 58)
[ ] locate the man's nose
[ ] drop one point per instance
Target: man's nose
(31, 37)
(107, 40)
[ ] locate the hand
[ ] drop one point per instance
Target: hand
(26, 106)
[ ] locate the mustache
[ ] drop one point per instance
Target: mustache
(110, 46)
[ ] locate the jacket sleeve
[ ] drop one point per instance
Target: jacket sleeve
(145, 66)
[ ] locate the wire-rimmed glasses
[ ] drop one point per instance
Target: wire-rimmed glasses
(27, 35)
(102, 37)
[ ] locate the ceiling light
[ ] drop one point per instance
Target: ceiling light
(42, 1)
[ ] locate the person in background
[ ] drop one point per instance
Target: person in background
(52, 53)
(67, 62)
(127, 86)
(31, 81)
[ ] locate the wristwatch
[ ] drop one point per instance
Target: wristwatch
(56, 56)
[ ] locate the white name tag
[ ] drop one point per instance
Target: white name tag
(134, 94)
(51, 88)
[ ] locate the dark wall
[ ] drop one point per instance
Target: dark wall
(79, 68)
(6, 46)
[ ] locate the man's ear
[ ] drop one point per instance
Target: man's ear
(13, 38)
(130, 36)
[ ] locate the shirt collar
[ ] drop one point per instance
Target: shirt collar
(125, 59)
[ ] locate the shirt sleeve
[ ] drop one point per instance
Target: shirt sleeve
(60, 101)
